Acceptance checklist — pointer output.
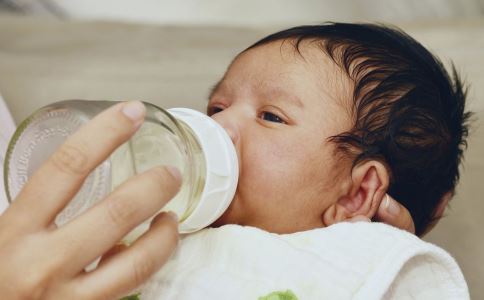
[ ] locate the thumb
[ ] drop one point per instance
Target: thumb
(393, 213)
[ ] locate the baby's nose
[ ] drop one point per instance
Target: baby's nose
(232, 134)
(229, 126)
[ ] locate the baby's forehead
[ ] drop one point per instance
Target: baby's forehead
(277, 71)
(283, 61)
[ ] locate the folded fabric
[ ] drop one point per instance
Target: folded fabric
(7, 129)
(343, 261)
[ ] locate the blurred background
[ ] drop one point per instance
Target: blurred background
(250, 12)
(171, 53)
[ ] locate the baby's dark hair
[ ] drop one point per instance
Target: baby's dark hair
(407, 111)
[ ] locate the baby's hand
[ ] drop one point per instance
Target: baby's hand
(40, 261)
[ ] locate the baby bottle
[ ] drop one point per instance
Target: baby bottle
(189, 140)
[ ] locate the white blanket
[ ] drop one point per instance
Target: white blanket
(7, 127)
(343, 261)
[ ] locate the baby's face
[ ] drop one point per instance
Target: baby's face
(279, 109)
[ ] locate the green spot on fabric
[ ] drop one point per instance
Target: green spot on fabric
(280, 295)
(132, 297)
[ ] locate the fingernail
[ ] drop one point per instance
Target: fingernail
(172, 215)
(174, 172)
(135, 110)
(359, 219)
(391, 206)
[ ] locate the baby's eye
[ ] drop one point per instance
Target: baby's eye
(213, 110)
(267, 116)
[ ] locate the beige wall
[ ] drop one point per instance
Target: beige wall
(262, 12)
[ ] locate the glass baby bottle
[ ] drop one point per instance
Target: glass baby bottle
(189, 140)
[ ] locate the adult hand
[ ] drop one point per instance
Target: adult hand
(40, 261)
(393, 213)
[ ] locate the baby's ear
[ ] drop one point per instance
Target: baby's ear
(369, 183)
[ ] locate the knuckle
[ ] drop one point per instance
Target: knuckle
(116, 132)
(172, 236)
(71, 159)
(159, 175)
(163, 181)
(31, 286)
(155, 179)
(115, 129)
(66, 247)
(120, 210)
(143, 267)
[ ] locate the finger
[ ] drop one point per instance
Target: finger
(393, 213)
(60, 177)
(359, 218)
(134, 265)
(94, 232)
(118, 248)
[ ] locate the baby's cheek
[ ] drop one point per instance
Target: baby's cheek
(270, 170)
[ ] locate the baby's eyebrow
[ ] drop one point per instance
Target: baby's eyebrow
(214, 89)
(286, 97)
(292, 99)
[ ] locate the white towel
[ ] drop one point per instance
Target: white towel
(7, 128)
(343, 261)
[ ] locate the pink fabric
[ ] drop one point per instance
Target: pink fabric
(7, 128)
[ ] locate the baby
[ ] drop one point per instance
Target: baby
(333, 117)
(326, 120)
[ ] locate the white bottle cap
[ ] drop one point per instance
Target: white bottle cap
(221, 166)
